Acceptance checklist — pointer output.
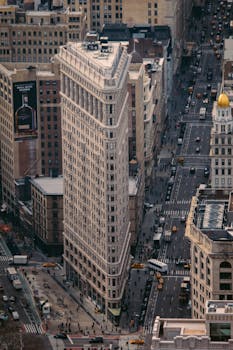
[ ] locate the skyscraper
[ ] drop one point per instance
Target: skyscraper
(95, 168)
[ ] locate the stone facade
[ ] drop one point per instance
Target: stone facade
(95, 169)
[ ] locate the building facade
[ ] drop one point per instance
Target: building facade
(136, 146)
(47, 208)
(221, 141)
(95, 169)
(28, 146)
(208, 228)
(35, 36)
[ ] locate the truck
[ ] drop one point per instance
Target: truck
(202, 113)
(19, 260)
(12, 273)
(17, 284)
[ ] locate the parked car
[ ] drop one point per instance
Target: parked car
(192, 170)
(5, 298)
(60, 336)
(96, 340)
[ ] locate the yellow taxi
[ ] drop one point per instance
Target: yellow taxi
(137, 266)
(49, 264)
(160, 286)
(180, 160)
(137, 341)
(187, 266)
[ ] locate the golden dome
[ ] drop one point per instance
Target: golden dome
(223, 101)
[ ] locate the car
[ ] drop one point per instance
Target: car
(187, 266)
(5, 298)
(206, 172)
(174, 229)
(137, 266)
(49, 264)
(208, 87)
(158, 275)
(193, 103)
(60, 336)
(12, 298)
(173, 170)
(183, 219)
(10, 309)
(168, 196)
(205, 101)
(197, 150)
(96, 340)
(3, 316)
(198, 139)
(192, 170)
(148, 205)
(137, 341)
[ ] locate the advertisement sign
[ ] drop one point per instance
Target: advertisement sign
(25, 110)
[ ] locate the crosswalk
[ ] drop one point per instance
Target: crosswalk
(182, 201)
(176, 213)
(172, 261)
(33, 328)
(4, 261)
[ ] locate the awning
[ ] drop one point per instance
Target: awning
(115, 312)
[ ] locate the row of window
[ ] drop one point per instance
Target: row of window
(223, 151)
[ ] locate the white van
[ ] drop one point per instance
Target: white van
(15, 315)
(179, 141)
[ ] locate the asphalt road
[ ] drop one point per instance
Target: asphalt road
(166, 302)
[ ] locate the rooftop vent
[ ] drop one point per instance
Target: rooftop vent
(212, 308)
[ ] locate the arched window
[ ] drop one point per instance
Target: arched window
(225, 265)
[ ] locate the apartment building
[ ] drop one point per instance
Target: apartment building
(47, 204)
(221, 141)
(209, 229)
(35, 36)
(94, 102)
(30, 129)
(215, 331)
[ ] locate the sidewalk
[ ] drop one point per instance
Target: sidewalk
(105, 325)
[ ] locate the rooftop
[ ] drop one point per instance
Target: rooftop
(228, 49)
(218, 307)
(49, 185)
(93, 52)
(210, 217)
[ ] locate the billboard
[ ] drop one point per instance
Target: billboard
(25, 110)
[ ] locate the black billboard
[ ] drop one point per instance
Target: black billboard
(25, 110)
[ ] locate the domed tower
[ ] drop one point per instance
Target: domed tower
(222, 119)
(221, 144)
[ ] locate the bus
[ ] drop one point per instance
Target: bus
(157, 265)
(202, 113)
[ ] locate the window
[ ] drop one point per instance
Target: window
(220, 331)
(225, 265)
(225, 286)
(225, 275)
